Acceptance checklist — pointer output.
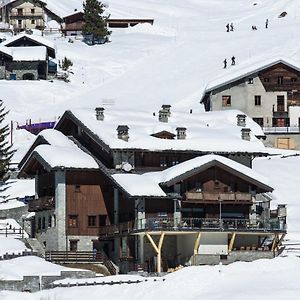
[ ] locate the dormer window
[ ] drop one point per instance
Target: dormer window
(165, 135)
(250, 80)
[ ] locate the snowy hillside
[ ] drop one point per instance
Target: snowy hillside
(170, 62)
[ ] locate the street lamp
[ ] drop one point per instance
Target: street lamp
(220, 212)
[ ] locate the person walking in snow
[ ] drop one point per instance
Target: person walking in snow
(227, 27)
(231, 26)
(232, 60)
(225, 63)
(267, 23)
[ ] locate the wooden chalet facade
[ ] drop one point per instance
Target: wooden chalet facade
(269, 94)
(156, 208)
(73, 24)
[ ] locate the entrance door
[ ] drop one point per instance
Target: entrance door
(73, 245)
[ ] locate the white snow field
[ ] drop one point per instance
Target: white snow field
(172, 62)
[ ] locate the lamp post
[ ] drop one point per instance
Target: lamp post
(220, 212)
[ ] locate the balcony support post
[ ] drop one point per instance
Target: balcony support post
(280, 241)
(196, 246)
(157, 249)
(274, 243)
(231, 243)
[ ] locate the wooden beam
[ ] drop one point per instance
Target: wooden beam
(157, 248)
(274, 242)
(197, 243)
(160, 243)
(196, 246)
(280, 241)
(231, 243)
(152, 242)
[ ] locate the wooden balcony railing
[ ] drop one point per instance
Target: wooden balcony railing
(43, 203)
(217, 197)
(192, 224)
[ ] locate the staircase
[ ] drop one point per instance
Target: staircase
(35, 245)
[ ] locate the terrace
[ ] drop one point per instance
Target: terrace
(190, 225)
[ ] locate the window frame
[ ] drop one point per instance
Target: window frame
(257, 100)
(73, 221)
(92, 221)
(226, 100)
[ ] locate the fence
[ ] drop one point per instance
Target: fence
(12, 231)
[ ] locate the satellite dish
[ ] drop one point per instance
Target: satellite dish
(127, 167)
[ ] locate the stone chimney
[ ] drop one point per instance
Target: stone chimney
(99, 113)
(181, 133)
(123, 132)
(246, 134)
(167, 108)
(241, 120)
(163, 116)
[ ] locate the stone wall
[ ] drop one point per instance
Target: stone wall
(233, 257)
(14, 213)
(36, 283)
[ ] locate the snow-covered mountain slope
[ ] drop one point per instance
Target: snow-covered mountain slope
(170, 62)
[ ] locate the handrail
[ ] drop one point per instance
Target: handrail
(186, 224)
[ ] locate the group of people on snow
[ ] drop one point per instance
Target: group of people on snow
(232, 62)
(230, 27)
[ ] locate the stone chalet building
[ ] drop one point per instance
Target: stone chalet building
(27, 57)
(154, 190)
(268, 92)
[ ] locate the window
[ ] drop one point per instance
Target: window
(73, 221)
(49, 221)
(293, 79)
(280, 80)
(32, 11)
(92, 221)
(259, 121)
(43, 223)
(280, 103)
(73, 245)
(39, 223)
(226, 100)
(77, 188)
(257, 100)
(20, 11)
(102, 220)
(19, 23)
(163, 161)
(266, 79)
(32, 21)
(250, 80)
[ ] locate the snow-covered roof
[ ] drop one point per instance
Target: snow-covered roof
(149, 184)
(35, 38)
(247, 69)
(206, 132)
(29, 53)
(60, 152)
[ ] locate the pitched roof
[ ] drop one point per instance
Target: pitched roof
(58, 152)
(150, 184)
(38, 40)
(247, 69)
(206, 131)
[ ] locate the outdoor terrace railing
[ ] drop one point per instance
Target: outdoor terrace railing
(191, 224)
(286, 129)
(43, 203)
(206, 196)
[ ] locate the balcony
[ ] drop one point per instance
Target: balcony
(192, 224)
(23, 15)
(205, 197)
(43, 203)
(286, 129)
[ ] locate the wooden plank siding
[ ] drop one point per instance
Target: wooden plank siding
(290, 81)
(85, 198)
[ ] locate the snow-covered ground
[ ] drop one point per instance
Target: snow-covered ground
(172, 62)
